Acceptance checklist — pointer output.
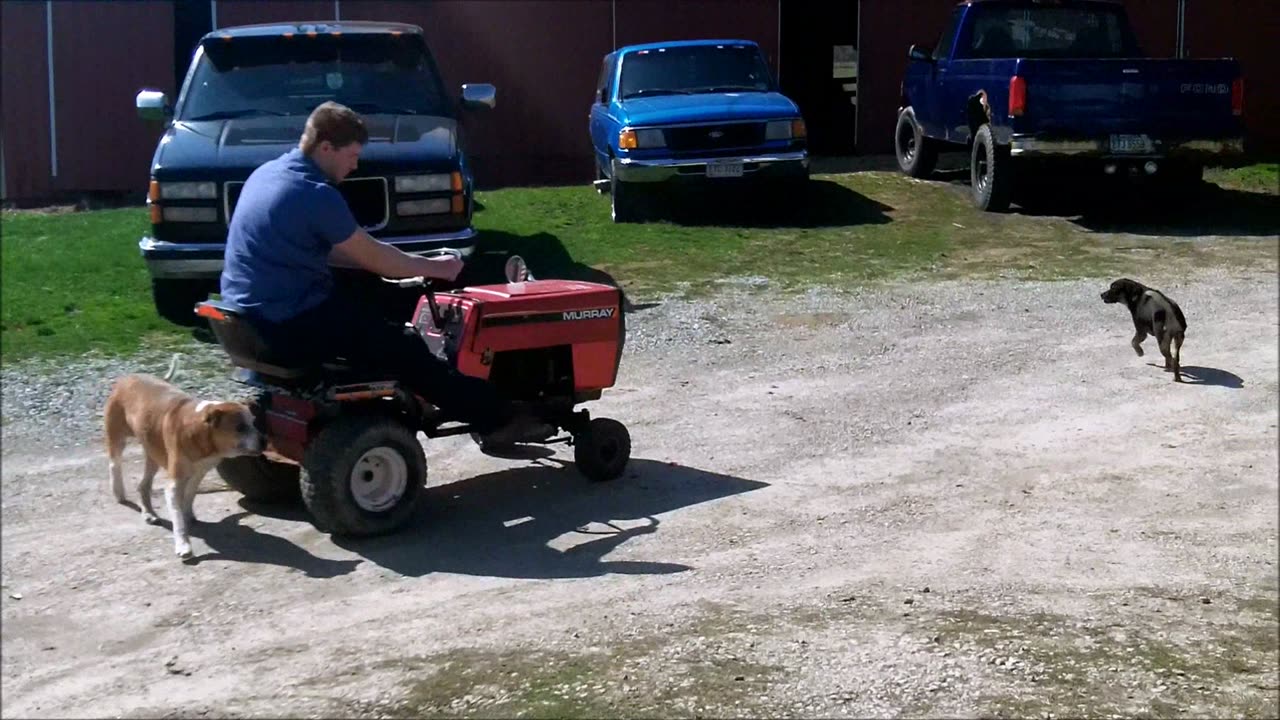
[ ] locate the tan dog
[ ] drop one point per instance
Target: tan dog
(184, 436)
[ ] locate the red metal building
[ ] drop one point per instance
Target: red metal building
(71, 69)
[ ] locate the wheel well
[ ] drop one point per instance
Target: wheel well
(977, 112)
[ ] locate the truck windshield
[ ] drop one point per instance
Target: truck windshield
(248, 76)
(1065, 31)
(694, 69)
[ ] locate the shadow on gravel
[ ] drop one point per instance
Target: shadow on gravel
(1195, 375)
(544, 521)
(231, 540)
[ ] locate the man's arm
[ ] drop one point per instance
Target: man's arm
(364, 250)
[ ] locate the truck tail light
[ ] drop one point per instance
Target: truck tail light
(1237, 96)
(1017, 96)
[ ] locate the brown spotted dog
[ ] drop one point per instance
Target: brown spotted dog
(185, 436)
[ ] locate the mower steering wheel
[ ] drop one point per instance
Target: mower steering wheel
(422, 281)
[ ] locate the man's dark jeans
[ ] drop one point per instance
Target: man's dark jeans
(349, 327)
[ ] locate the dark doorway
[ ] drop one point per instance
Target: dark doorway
(192, 19)
(819, 67)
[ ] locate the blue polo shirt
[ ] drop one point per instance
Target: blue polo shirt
(285, 223)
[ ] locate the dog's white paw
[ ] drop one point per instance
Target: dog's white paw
(183, 550)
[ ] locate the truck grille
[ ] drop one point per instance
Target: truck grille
(715, 137)
(366, 196)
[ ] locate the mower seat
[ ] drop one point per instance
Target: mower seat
(249, 350)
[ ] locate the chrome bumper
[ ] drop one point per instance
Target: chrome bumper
(171, 260)
(1036, 147)
(660, 169)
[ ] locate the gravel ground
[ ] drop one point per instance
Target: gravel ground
(944, 499)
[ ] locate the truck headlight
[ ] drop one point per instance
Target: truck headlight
(784, 129)
(188, 190)
(440, 182)
(630, 139)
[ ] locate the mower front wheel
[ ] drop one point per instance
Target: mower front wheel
(602, 449)
(364, 475)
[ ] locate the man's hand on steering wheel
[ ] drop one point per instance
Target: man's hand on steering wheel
(444, 267)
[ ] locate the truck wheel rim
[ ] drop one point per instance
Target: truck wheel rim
(379, 479)
(907, 141)
(982, 168)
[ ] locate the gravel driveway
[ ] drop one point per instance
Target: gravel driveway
(958, 499)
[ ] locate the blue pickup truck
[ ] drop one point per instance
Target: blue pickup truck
(1043, 86)
(245, 100)
(695, 113)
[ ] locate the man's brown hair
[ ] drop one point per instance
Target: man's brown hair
(337, 123)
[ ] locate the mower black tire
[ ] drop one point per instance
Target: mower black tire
(262, 480)
(602, 449)
(364, 475)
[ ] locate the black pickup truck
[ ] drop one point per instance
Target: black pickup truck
(244, 101)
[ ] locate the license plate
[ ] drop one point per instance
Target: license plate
(1130, 144)
(724, 170)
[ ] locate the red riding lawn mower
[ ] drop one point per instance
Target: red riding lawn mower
(349, 442)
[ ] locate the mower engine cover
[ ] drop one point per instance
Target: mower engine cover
(582, 320)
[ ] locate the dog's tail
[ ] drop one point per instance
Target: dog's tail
(173, 367)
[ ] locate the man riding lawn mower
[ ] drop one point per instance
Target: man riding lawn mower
(344, 390)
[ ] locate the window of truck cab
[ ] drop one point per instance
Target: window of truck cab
(277, 75)
(1068, 30)
(603, 86)
(685, 70)
(942, 51)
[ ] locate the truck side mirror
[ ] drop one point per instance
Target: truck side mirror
(479, 95)
(923, 53)
(601, 96)
(153, 105)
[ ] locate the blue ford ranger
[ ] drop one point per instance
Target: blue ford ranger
(692, 113)
(1034, 86)
(244, 101)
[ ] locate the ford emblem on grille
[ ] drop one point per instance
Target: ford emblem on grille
(716, 134)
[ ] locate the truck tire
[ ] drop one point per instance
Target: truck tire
(602, 180)
(624, 203)
(917, 154)
(261, 480)
(990, 172)
(175, 300)
(364, 476)
(602, 449)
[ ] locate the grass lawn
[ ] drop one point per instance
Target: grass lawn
(73, 282)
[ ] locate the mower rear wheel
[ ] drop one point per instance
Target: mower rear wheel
(364, 476)
(261, 480)
(602, 449)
